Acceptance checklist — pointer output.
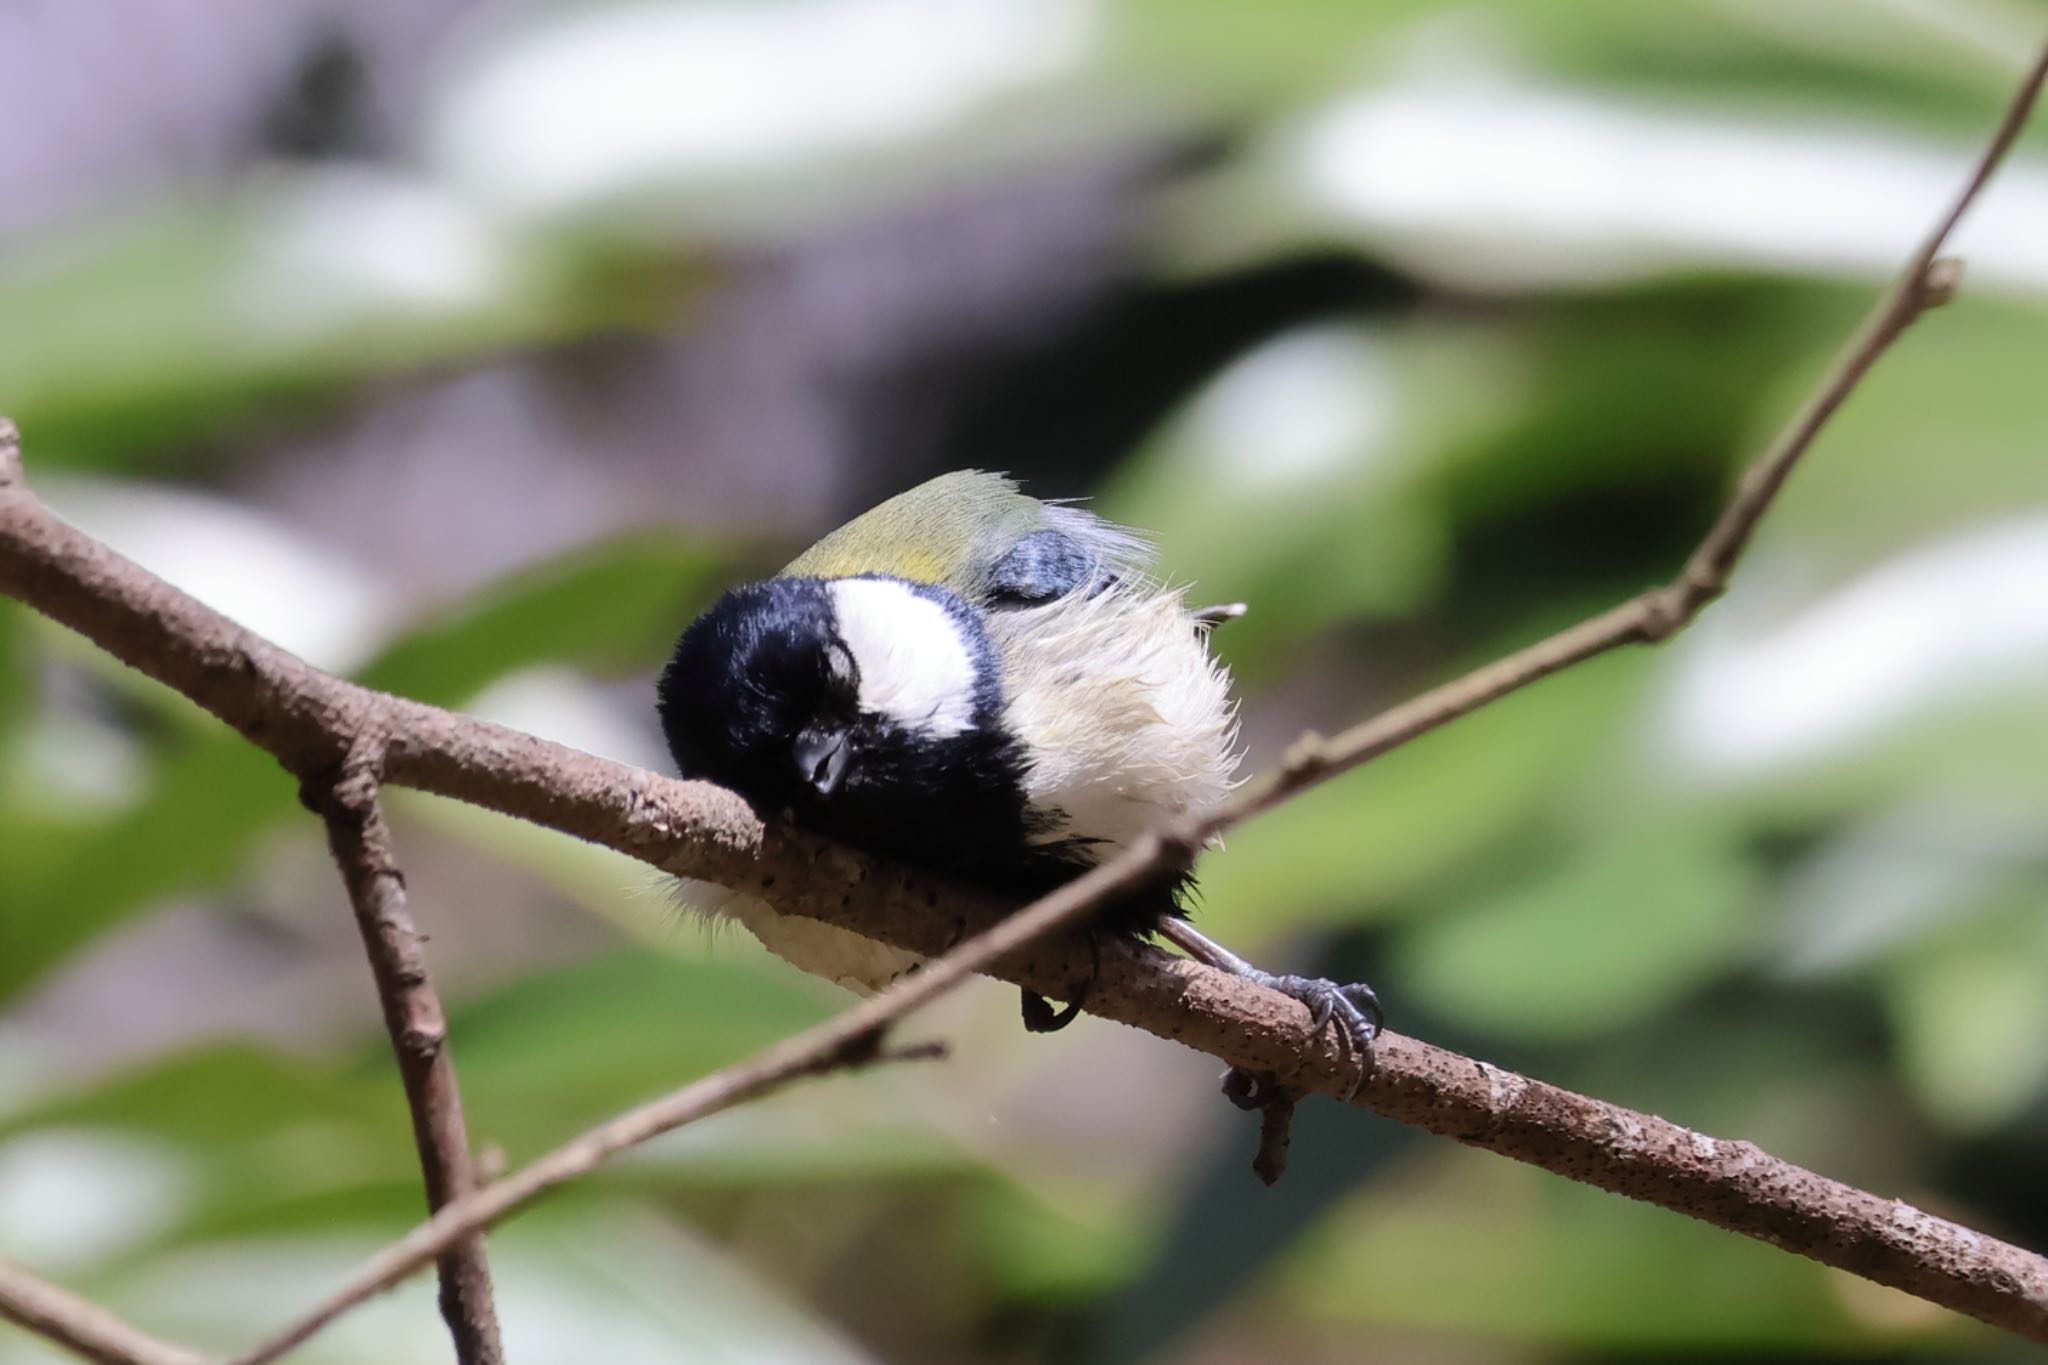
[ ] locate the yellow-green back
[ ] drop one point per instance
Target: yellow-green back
(946, 531)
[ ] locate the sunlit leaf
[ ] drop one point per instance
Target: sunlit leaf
(601, 1035)
(1488, 1255)
(610, 607)
(1604, 937)
(1948, 438)
(207, 803)
(1972, 1010)
(1356, 847)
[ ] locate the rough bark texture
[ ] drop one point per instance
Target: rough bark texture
(361, 843)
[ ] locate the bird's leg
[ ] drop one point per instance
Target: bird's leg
(1041, 1017)
(1354, 1006)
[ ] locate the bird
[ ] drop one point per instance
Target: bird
(984, 684)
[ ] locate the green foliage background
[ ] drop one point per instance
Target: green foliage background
(1832, 942)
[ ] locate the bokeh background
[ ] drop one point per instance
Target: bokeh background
(468, 346)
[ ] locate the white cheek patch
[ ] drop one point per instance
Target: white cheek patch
(915, 667)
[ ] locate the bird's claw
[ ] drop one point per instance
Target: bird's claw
(1355, 1007)
(1355, 1003)
(1039, 1014)
(1041, 1017)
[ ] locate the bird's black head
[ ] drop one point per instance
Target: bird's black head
(869, 708)
(762, 694)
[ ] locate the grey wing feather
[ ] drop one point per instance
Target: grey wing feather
(1073, 551)
(1122, 551)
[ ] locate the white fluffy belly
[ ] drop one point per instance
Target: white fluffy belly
(841, 956)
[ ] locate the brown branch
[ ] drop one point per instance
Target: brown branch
(361, 842)
(700, 831)
(303, 717)
(84, 1328)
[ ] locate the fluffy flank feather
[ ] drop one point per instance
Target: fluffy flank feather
(1128, 718)
(851, 960)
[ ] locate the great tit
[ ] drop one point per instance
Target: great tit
(979, 682)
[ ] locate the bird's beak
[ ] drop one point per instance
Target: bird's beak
(821, 760)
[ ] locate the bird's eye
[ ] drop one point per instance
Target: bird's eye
(839, 662)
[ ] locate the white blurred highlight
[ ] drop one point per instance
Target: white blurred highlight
(1953, 621)
(557, 704)
(69, 1198)
(1297, 410)
(340, 245)
(616, 98)
(1509, 184)
(1902, 874)
(264, 574)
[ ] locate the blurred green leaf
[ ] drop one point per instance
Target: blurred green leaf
(281, 1142)
(1598, 941)
(225, 1101)
(1981, 743)
(1947, 434)
(1488, 1249)
(600, 1035)
(1637, 388)
(612, 607)
(1227, 1230)
(1972, 1009)
(14, 687)
(209, 800)
(1288, 482)
(1361, 843)
(124, 329)
(1351, 557)
(1044, 1252)
(593, 1036)
(576, 1279)
(1229, 55)
(187, 318)
(1851, 60)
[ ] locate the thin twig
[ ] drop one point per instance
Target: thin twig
(80, 1326)
(850, 1039)
(299, 714)
(361, 842)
